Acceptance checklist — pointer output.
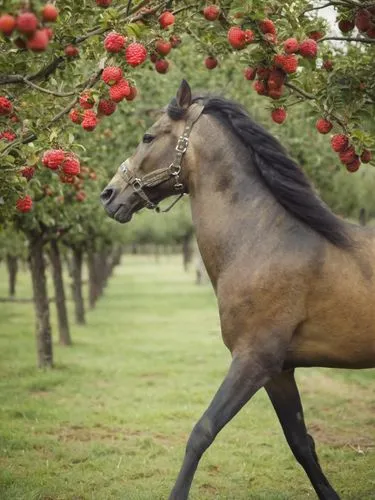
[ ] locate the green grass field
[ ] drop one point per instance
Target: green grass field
(111, 420)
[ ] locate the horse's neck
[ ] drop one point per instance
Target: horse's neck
(231, 211)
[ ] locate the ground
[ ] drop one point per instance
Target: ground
(111, 420)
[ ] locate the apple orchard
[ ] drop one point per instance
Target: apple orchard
(79, 81)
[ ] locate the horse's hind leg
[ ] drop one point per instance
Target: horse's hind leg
(246, 375)
(283, 393)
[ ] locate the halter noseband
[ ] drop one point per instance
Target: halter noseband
(164, 174)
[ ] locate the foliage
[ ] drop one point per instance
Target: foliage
(45, 86)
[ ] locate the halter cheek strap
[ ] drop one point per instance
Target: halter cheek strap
(164, 174)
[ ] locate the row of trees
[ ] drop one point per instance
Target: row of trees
(57, 98)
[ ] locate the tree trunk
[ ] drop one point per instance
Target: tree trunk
(94, 286)
(77, 286)
(43, 326)
(187, 250)
(58, 283)
(12, 265)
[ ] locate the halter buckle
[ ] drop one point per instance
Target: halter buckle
(178, 186)
(182, 144)
(137, 184)
(174, 169)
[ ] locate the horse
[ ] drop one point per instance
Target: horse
(294, 282)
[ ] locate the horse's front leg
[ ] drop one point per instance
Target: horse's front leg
(248, 373)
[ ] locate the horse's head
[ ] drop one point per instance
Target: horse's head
(154, 171)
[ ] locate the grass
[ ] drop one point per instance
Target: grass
(111, 420)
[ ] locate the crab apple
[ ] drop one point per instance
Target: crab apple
(279, 115)
(175, 41)
(154, 57)
(249, 73)
(27, 23)
(103, 3)
(291, 46)
(7, 24)
(276, 78)
(249, 36)
(6, 107)
(106, 107)
(76, 116)
(354, 165)
(52, 158)
(114, 42)
(362, 20)
(346, 25)
(27, 172)
(133, 93)
(323, 126)
(270, 38)
(38, 41)
(71, 164)
(112, 75)
(263, 73)
(210, 62)
(308, 48)
(276, 93)
(366, 156)
(119, 91)
(71, 51)
(327, 65)
(135, 54)
(260, 87)
(236, 37)
(339, 142)
(162, 66)
(66, 179)
(267, 26)
(86, 100)
(50, 13)
(8, 135)
(81, 196)
(211, 12)
(371, 31)
(288, 63)
(163, 47)
(24, 204)
(348, 155)
(166, 19)
(48, 32)
(316, 35)
(93, 176)
(90, 120)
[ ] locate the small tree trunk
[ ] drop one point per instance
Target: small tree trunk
(12, 265)
(58, 283)
(77, 286)
(43, 326)
(187, 250)
(94, 287)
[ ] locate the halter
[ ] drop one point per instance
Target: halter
(164, 174)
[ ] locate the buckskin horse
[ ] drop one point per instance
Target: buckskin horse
(294, 283)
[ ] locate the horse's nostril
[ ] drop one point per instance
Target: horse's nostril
(107, 195)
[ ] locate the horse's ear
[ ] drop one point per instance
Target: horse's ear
(183, 96)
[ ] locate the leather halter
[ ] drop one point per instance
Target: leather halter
(161, 175)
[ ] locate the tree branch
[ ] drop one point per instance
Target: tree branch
(348, 39)
(46, 91)
(90, 82)
(328, 4)
(311, 97)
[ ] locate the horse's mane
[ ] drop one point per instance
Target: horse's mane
(282, 176)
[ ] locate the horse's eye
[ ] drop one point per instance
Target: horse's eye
(148, 138)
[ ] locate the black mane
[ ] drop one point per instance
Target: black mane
(282, 176)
